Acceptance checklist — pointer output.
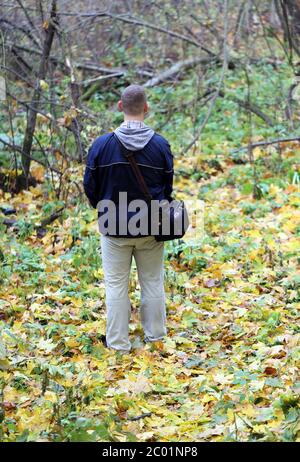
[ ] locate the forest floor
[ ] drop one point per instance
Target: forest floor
(228, 369)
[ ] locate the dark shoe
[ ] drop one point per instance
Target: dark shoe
(103, 340)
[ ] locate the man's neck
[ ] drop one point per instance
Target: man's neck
(133, 119)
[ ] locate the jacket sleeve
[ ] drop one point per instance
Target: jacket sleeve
(90, 180)
(169, 172)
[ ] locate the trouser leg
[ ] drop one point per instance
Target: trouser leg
(116, 262)
(148, 254)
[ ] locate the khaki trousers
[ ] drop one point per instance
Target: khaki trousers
(117, 253)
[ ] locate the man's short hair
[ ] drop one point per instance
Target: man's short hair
(133, 100)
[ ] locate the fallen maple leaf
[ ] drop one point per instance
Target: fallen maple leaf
(269, 370)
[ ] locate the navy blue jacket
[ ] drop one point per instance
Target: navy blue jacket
(108, 172)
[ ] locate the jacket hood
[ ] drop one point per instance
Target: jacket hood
(134, 135)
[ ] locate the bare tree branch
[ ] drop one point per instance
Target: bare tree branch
(266, 143)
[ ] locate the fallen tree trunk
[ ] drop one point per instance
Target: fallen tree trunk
(173, 70)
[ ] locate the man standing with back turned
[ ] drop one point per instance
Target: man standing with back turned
(109, 173)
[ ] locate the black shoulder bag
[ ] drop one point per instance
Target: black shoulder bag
(173, 217)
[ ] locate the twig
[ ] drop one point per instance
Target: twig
(27, 15)
(48, 220)
(25, 31)
(19, 149)
(40, 229)
(249, 107)
(142, 416)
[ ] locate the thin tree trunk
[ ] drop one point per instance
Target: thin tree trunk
(35, 101)
(293, 7)
(289, 14)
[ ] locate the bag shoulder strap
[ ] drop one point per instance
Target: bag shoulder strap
(135, 168)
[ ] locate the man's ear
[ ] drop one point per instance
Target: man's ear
(146, 108)
(120, 106)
